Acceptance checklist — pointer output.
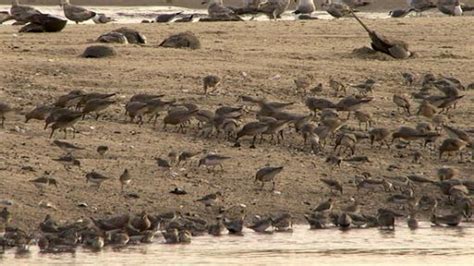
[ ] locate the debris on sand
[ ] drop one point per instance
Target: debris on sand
(182, 40)
(99, 51)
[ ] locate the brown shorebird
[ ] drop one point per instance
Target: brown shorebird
(179, 117)
(446, 173)
(379, 135)
(66, 146)
(346, 140)
(252, 129)
(351, 103)
(385, 219)
(337, 86)
(315, 104)
(211, 199)
(426, 109)
(65, 121)
(261, 224)
(210, 82)
(155, 106)
(4, 109)
(267, 174)
(324, 206)
(365, 87)
(363, 118)
(125, 179)
(76, 13)
(407, 134)
(96, 106)
(458, 133)
(96, 178)
(44, 181)
(136, 109)
(333, 184)
(452, 145)
(213, 160)
(402, 101)
(39, 112)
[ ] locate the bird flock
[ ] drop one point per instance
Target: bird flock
(332, 129)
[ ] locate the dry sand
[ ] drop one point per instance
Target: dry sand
(37, 68)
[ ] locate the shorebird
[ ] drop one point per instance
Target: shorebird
(217, 10)
(305, 7)
(450, 7)
(344, 220)
(65, 121)
(210, 82)
(213, 160)
(179, 117)
(365, 87)
(450, 219)
(167, 18)
(154, 107)
(66, 146)
(337, 10)
(316, 220)
(96, 178)
(6, 215)
(96, 106)
(211, 199)
(354, 207)
(452, 145)
(68, 161)
(261, 224)
(386, 219)
(337, 86)
(407, 134)
(363, 118)
(274, 8)
(315, 104)
(421, 5)
(136, 109)
(282, 222)
(412, 222)
(403, 102)
(125, 179)
(252, 129)
(446, 173)
(458, 133)
(395, 48)
(21, 13)
(324, 206)
(267, 174)
(102, 18)
(400, 13)
(186, 155)
(426, 109)
(4, 109)
(333, 184)
(216, 228)
(39, 112)
(163, 164)
(346, 140)
(76, 13)
(44, 181)
(351, 103)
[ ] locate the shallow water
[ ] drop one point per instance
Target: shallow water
(427, 245)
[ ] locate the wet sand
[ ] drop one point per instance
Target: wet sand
(37, 68)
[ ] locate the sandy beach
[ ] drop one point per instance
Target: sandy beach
(253, 58)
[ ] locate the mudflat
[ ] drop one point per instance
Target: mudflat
(252, 58)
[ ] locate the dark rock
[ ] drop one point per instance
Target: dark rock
(99, 51)
(132, 35)
(182, 40)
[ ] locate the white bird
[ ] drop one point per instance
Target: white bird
(305, 7)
